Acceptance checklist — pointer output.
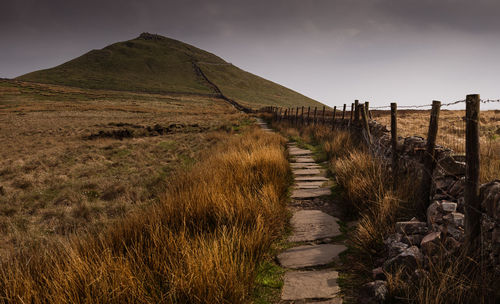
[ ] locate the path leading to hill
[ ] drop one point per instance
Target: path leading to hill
(311, 275)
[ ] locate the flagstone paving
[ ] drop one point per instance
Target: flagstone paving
(310, 285)
(303, 285)
(306, 171)
(312, 225)
(310, 193)
(310, 255)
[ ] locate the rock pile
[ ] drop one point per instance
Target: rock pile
(416, 243)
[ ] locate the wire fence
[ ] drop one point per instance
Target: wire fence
(413, 120)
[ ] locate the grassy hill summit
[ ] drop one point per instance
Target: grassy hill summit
(156, 64)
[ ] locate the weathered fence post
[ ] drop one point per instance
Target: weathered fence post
(356, 110)
(323, 115)
(394, 142)
(471, 193)
(352, 111)
(333, 117)
(302, 116)
(366, 126)
(367, 105)
(279, 115)
(308, 113)
(429, 160)
(297, 117)
(343, 113)
(314, 119)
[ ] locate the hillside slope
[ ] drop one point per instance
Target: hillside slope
(156, 64)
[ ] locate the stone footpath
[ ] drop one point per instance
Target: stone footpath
(310, 277)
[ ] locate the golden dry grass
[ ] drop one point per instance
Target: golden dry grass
(54, 182)
(366, 189)
(451, 134)
(200, 244)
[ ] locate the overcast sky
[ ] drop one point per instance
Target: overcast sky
(334, 51)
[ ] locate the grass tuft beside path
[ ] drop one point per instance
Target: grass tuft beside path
(202, 243)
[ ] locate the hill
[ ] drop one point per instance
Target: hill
(156, 64)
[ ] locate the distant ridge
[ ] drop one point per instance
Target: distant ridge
(156, 64)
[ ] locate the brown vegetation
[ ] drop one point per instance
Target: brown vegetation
(366, 191)
(200, 244)
(451, 133)
(55, 181)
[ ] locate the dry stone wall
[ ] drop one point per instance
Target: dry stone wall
(416, 242)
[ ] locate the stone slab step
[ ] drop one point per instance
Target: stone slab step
(309, 185)
(310, 193)
(312, 225)
(305, 166)
(310, 255)
(302, 160)
(312, 178)
(306, 171)
(303, 285)
(298, 151)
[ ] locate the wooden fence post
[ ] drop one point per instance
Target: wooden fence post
(314, 119)
(471, 193)
(323, 115)
(352, 111)
(429, 160)
(297, 116)
(367, 105)
(343, 113)
(333, 117)
(302, 116)
(308, 113)
(366, 126)
(394, 142)
(356, 110)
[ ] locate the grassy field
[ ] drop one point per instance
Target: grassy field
(156, 64)
(74, 159)
(451, 133)
(202, 242)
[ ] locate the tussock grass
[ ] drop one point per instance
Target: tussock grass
(367, 193)
(200, 244)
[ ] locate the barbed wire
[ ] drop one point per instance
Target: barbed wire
(430, 105)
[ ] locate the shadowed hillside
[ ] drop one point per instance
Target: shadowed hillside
(155, 64)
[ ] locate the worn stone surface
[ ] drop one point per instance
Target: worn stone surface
(410, 258)
(310, 255)
(455, 218)
(304, 166)
(305, 178)
(431, 242)
(294, 151)
(301, 285)
(447, 206)
(373, 292)
(395, 248)
(411, 227)
(306, 171)
(310, 193)
(413, 239)
(302, 160)
(311, 225)
(451, 167)
(308, 185)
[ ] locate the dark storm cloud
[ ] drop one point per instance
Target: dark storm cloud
(309, 45)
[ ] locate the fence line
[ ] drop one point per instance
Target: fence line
(359, 120)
